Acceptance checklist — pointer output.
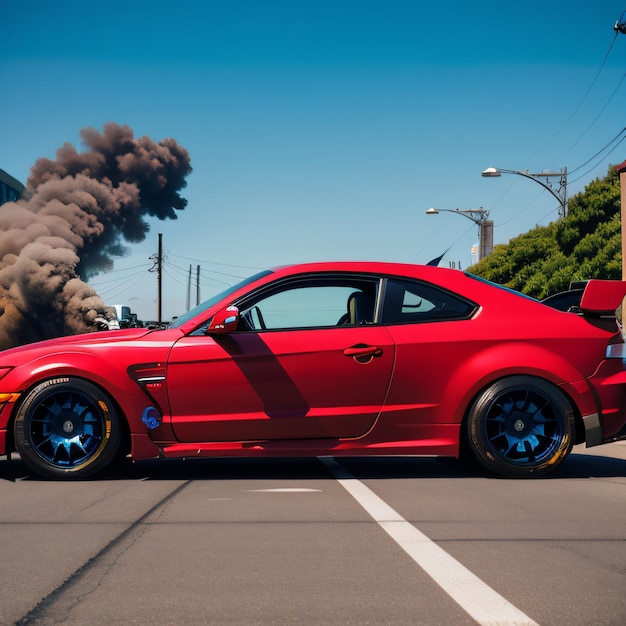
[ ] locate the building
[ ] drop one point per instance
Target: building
(10, 188)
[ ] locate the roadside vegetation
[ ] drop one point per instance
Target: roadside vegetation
(585, 244)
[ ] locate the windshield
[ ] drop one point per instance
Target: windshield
(181, 319)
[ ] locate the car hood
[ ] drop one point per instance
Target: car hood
(23, 353)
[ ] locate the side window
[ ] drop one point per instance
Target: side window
(409, 302)
(311, 303)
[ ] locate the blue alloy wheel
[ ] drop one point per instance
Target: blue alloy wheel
(67, 428)
(521, 426)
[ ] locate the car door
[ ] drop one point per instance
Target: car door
(298, 368)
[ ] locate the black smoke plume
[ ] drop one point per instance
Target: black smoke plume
(75, 217)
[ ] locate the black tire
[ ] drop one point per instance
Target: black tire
(521, 427)
(67, 428)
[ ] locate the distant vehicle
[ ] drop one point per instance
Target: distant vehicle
(126, 318)
(122, 311)
(329, 359)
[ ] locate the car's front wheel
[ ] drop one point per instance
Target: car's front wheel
(67, 428)
(520, 426)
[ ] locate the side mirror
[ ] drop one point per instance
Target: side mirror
(224, 321)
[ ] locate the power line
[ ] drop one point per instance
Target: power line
(597, 117)
(125, 269)
(622, 133)
(184, 271)
(116, 281)
(582, 101)
(243, 267)
(119, 288)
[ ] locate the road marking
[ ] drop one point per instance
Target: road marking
(485, 605)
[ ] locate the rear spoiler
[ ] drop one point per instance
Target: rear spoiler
(602, 297)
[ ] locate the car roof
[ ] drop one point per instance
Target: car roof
(373, 267)
(452, 279)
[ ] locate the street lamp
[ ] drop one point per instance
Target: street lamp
(485, 227)
(560, 195)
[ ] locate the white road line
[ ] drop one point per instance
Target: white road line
(485, 605)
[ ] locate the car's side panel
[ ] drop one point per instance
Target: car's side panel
(278, 384)
(440, 367)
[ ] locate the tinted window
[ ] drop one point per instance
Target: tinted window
(408, 301)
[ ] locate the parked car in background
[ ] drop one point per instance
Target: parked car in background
(329, 359)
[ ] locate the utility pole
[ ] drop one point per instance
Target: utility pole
(159, 270)
(198, 285)
(189, 289)
(160, 279)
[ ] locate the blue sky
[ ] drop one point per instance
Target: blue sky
(320, 130)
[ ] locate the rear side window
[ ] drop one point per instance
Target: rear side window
(410, 302)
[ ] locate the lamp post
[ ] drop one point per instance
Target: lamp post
(560, 195)
(485, 227)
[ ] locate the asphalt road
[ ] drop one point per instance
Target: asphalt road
(358, 541)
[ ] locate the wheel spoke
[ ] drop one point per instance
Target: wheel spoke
(530, 453)
(510, 447)
(66, 429)
(522, 426)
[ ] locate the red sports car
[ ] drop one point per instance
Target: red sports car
(329, 359)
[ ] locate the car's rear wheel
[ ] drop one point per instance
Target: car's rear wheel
(67, 428)
(521, 426)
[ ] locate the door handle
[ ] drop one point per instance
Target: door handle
(363, 353)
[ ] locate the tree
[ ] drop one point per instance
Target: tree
(585, 244)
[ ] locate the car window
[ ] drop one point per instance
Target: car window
(311, 303)
(408, 301)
